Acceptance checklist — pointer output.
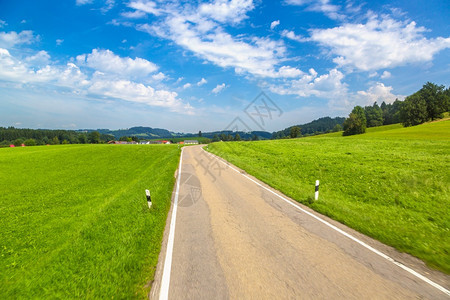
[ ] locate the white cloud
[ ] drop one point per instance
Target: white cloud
(148, 7)
(138, 92)
(380, 43)
(324, 86)
(83, 2)
(274, 24)
(187, 85)
(331, 87)
(137, 14)
(378, 92)
(197, 30)
(291, 35)
(219, 88)
(224, 11)
(71, 77)
(11, 39)
(385, 75)
(323, 6)
(59, 42)
(41, 58)
(109, 4)
(107, 61)
(202, 82)
(160, 76)
(3, 23)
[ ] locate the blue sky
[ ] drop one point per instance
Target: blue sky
(198, 65)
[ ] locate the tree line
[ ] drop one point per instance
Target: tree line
(33, 137)
(427, 104)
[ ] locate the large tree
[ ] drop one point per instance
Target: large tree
(294, 132)
(435, 99)
(94, 137)
(356, 122)
(414, 110)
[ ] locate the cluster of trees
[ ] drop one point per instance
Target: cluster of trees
(429, 103)
(33, 137)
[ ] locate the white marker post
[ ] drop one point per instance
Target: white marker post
(316, 195)
(149, 198)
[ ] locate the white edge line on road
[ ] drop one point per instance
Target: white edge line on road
(165, 281)
(441, 288)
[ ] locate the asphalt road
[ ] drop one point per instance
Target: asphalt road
(235, 238)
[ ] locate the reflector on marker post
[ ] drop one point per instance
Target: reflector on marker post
(149, 198)
(316, 195)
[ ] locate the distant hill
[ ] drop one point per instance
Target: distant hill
(141, 132)
(158, 133)
(321, 125)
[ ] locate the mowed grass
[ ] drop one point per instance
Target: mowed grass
(393, 185)
(74, 219)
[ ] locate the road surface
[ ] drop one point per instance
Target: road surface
(229, 236)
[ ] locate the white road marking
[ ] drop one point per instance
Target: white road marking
(165, 281)
(411, 271)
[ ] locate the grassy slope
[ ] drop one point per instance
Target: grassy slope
(393, 185)
(74, 221)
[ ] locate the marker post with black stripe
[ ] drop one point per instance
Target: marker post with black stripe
(316, 195)
(149, 198)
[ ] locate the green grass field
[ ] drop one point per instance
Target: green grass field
(74, 220)
(391, 183)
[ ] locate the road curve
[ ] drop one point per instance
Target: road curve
(235, 239)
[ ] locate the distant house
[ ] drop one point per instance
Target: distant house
(190, 142)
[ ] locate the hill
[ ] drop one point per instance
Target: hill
(321, 125)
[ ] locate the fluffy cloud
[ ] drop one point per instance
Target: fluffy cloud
(11, 39)
(199, 30)
(274, 24)
(379, 93)
(324, 86)
(187, 85)
(202, 82)
(40, 58)
(219, 88)
(108, 62)
(224, 11)
(3, 23)
(160, 76)
(291, 35)
(71, 77)
(385, 75)
(144, 7)
(380, 43)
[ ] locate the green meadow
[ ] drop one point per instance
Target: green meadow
(74, 219)
(392, 183)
